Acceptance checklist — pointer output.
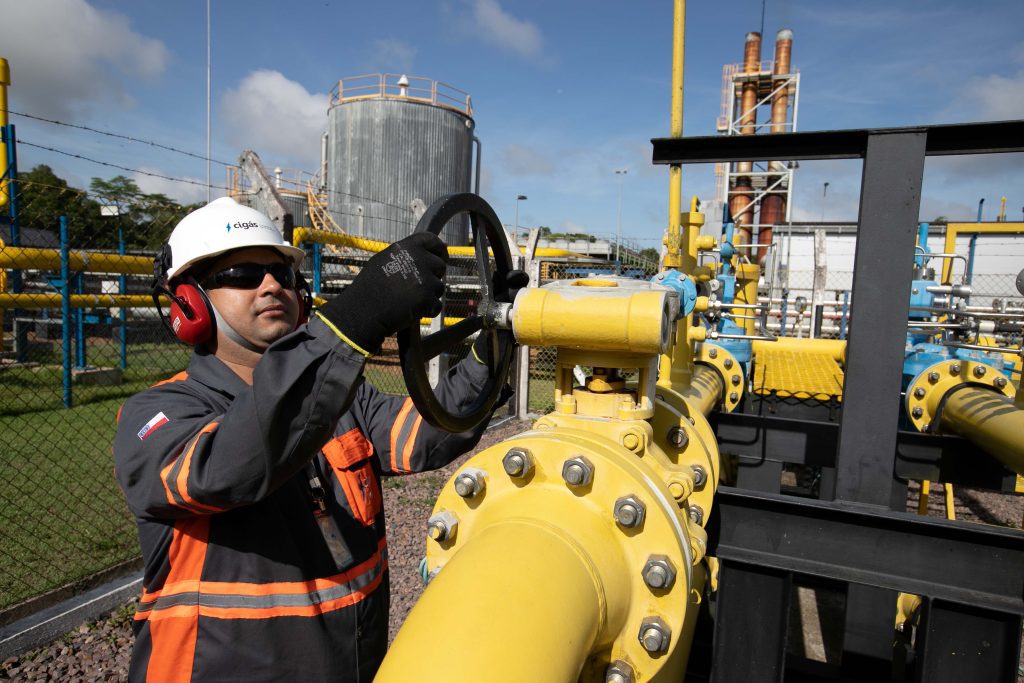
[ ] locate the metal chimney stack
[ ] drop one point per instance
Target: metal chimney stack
(773, 206)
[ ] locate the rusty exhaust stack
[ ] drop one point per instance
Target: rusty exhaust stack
(744, 193)
(773, 206)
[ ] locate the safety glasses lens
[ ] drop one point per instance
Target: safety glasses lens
(250, 276)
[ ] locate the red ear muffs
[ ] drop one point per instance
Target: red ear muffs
(191, 316)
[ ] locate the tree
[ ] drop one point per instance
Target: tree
(651, 254)
(43, 197)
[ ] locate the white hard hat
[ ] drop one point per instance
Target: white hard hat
(219, 227)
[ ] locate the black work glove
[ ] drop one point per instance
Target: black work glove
(395, 288)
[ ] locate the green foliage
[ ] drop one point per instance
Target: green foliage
(651, 254)
(146, 219)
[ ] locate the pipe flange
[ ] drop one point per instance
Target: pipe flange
(927, 391)
(733, 381)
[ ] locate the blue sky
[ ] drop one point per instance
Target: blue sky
(564, 92)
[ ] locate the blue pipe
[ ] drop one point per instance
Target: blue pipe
(316, 268)
(65, 308)
(922, 241)
(20, 331)
(122, 288)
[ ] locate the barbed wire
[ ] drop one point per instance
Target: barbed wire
(129, 138)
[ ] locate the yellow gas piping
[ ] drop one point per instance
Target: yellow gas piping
(28, 258)
(302, 235)
(50, 300)
(747, 275)
(988, 419)
(553, 624)
(705, 391)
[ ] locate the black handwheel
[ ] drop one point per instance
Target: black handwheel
(414, 350)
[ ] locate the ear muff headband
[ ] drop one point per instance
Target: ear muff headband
(305, 294)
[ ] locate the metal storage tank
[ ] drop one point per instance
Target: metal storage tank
(393, 140)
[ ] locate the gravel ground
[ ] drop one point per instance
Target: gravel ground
(100, 650)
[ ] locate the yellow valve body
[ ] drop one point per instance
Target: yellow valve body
(631, 316)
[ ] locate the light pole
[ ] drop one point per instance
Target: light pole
(515, 230)
(824, 193)
(618, 221)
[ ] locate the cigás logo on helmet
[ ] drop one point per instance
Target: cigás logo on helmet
(244, 225)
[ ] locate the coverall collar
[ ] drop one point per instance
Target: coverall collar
(212, 372)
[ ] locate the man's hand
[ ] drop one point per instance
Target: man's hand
(395, 288)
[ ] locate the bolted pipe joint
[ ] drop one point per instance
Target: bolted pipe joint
(629, 512)
(659, 572)
(518, 462)
(655, 635)
(619, 671)
(471, 482)
(578, 471)
(442, 526)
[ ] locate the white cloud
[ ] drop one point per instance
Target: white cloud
(390, 55)
(497, 27)
(276, 117)
(66, 53)
(184, 193)
(995, 97)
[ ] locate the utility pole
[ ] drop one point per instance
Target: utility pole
(621, 173)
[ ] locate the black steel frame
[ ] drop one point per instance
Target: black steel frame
(971, 577)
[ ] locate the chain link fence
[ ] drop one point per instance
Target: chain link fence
(80, 336)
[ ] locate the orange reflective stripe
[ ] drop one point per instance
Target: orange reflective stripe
(174, 639)
(410, 442)
(179, 485)
(182, 483)
(395, 430)
(180, 377)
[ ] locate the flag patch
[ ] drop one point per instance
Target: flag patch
(158, 420)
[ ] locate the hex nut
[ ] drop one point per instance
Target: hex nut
(470, 483)
(629, 512)
(697, 514)
(1000, 382)
(700, 476)
(442, 526)
(518, 462)
(654, 635)
(980, 370)
(727, 363)
(919, 392)
(734, 397)
(619, 672)
(713, 353)
(631, 441)
(678, 437)
(735, 380)
(933, 377)
(917, 412)
(659, 572)
(954, 369)
(578, 471)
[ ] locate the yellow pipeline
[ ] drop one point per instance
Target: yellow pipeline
(835, 347)
(558, 612)
(5, 80)
(302, 235)
(51, 300)
(747, 275)
(955, 229)
(988, 420)
(705, 390)
(27, 258)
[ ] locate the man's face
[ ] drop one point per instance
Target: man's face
(262, 314)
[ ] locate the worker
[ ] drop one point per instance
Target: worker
(255, 474)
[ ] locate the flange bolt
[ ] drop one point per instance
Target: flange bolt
(442, 526)
(700, 476)
(654, 635)
(979, 371)
(1000, 382)
(577, 471)
(517, 462)
(629, 512)
(619, 672)
(697, 514)
(954, 369)
(678, 437)
(659, 572)
(933, 377)
(735, 380)
(712, 353)
(917, 412)
(919, 392)
(727, 363)
(470, 483)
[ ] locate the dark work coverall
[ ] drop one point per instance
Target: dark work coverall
(240, 582)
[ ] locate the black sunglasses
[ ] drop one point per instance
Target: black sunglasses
(250, 276)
